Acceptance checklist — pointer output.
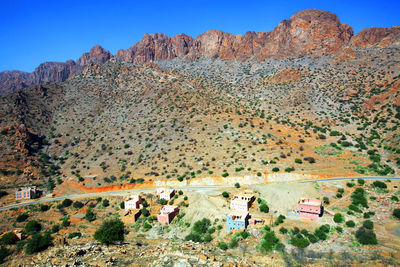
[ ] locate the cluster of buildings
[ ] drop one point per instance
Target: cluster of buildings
(133, 206)
(238, 218)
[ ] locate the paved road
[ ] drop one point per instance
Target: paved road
(350, 178)
(109, 193)
(194, 188)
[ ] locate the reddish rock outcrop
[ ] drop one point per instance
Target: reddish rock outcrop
(12, 81)
(309, 32)
(376, 36)
(96, 55)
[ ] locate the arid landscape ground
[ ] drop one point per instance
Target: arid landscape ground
(223, 114)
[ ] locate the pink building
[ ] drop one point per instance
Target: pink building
(25, 193)
(310, 208)
(242, 202)
(167, 214)
(132, 202)
(166, 194)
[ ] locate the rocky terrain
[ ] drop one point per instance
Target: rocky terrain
(305, 101)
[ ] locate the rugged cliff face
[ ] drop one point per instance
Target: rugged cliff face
(376, 37)
(51, 72)
(309, 32)
(306, 32)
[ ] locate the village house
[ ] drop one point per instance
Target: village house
(167, 214)
(25, 193)
(131, 216)
(237, 220)
(310, 208)
(242, 202)
(166, 194)
(132, 202)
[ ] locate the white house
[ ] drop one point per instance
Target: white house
(166, 194)
(133, 202)
(242, 202)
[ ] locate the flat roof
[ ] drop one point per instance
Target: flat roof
(310, 201)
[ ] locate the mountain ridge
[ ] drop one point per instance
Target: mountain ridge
(308, 32)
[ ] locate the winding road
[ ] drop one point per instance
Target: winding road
(194, 188)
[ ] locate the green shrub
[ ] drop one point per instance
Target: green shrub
(4, 252)
(225, 174)
(33, 227)
(379, 184)
(222, 245)
(270, 242)
(276, 169)
(22, 217)
(55, 228)
(350, 224)
(300, 242)
(394, 198)
(366, 237)
(74, 234)
(368, 224)
(38, 243)
(78, 205)
(225, 194)
(237, 185)
(44, 207)
(163, 201)
(264, 208)
(326, 200)
(361, 181)
(298, 161)
(90, 215)
(8, 238)
(110, 232)
(396, 213)
(195, 237)
(283, 230)
(66, 202)
(106, 203)
(338, 218)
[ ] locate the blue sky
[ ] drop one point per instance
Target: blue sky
(32, 32)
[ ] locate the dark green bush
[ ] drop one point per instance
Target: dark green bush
(338, 218)
(110, 232)
(8, 238)
(66, 202)
(379, 184)
(37, 243)
(350, 224)
(366, 237)
(368, 224)
(22, 217)
(33, 227)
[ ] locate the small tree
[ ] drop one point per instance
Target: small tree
(264, 208)
(396, 213)
(37, 243)
(338, 218)
(368, 224)
(67, 202)
(90, 215)
(237, 185)
(110, 232)
(78, 205)
(366, 237)
(33, 227)
(350, 224)
(222, 245)
(225, 194)
(22, 217)
(106, 203)
(163, 201)
(8, 239)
